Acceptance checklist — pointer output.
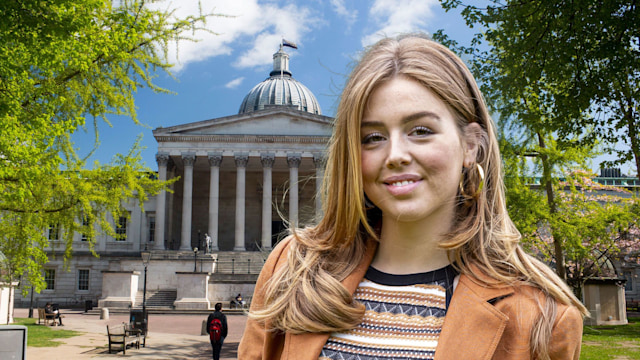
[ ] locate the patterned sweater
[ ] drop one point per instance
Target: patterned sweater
(403, 317)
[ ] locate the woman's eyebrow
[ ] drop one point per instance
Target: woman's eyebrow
(420, 115)
(406, 119)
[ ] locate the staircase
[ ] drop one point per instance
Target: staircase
(157, 299)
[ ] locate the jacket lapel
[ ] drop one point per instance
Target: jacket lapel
(473, 327)
(308, 346)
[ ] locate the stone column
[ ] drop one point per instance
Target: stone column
(161, 199)
(267, 166)
(294, 162)
(241, 168)
(188, 159)
(215, 159)
(318, 162)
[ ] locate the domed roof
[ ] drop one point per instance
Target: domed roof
(280, 89)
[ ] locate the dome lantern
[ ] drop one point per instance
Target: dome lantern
(280, 89)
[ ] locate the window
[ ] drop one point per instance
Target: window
(152, 228)
(121, 229)
(85, 223)
(54, 231)
(628, 285)
(50, 279)
(83, 279)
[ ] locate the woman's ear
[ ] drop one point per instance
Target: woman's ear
(473, 135)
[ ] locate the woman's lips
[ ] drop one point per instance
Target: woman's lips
(401, 185)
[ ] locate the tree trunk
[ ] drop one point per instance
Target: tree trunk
(548, 184)
(9, 307)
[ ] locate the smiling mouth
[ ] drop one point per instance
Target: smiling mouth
(402, 183)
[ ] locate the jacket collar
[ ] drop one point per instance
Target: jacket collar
(472, 322)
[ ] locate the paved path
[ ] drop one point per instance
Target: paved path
(170, 337)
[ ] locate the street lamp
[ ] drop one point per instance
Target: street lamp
(146, 257)
(195, 259)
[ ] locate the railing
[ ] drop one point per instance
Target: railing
(237, 266)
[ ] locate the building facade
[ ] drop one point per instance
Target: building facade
(242, 179)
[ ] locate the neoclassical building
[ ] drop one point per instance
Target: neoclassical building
(242, 179)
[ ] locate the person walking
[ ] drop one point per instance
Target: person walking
(217, 330)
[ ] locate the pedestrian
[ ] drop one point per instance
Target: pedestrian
(415, 256)
(217, 330)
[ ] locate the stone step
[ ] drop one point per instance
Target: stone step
(157, 298)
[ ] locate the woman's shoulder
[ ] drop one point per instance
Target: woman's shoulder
(528, 301)
(282, 247)
(278, 255)
(517, 299)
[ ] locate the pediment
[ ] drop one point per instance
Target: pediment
(275, 121)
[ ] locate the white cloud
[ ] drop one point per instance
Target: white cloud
(393, 17)
(340, 9)
(234, 83)
(251, 24)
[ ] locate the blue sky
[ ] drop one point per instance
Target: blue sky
(212, 76)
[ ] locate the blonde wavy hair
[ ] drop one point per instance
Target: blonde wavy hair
(307, 296)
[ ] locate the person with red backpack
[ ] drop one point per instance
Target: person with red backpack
(217, 330)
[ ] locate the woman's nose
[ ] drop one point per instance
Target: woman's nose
(399, 154)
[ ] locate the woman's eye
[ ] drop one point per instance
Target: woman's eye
(420, 131)
(372, 138)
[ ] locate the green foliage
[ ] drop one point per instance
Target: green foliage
(578, 61)
(64, 66)
(542, 66)
(44, 336)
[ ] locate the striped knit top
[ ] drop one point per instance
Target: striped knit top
(403, 317)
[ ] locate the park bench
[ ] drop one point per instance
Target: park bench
(45, 318)
(123, 335)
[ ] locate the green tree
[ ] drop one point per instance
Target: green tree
(591, 220)
(589, 52)
(64, 66)
(542, 70)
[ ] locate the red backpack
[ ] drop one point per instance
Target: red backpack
(215, 330)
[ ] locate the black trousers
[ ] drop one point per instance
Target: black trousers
(216, 349)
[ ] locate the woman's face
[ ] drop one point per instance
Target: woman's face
(412, 153)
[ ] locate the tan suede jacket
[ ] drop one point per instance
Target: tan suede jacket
(481, 323)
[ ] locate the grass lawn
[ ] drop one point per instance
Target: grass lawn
(621, 342)
(43, 336)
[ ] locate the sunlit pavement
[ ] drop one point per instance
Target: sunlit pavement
(170, 337)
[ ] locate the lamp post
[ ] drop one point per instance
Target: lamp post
(146, 257)
(195, 259)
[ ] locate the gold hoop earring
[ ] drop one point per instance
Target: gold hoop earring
(480, 171)
(481, 176)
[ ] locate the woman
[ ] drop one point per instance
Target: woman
(415, 257)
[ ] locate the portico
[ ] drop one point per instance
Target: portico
(241, 189)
